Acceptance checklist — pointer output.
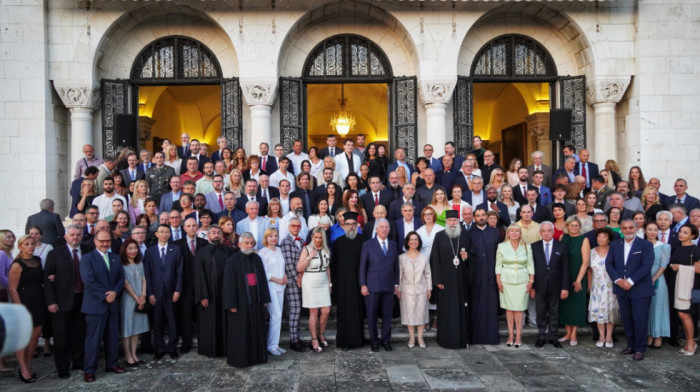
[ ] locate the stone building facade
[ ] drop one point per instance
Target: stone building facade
(637, 103)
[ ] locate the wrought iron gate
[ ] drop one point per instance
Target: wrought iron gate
(115, 101)
(231, 112)
(292, 112)
(573, 96)
(463, 115)
(403, 117)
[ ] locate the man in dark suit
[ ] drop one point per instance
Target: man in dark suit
(433, 163)
(175, 221)
(379, 281)
(586, 169)
(537, 164)
(102, 275)
(222, 143)
(400, 156)
(464, 177)
(321, 190)
(50, 223)
(201, 159)
(303, 192)
(492, 204)
(569, 170)
(378, 213)
(171, 200)
(446, 176)
(75, 187)
(628, 264)
(134, 172)
(251, 194)
(230, 209)
(63, 290)
(184, 150)
(680, 187)
(551, 283)
(489, 166)
(404, 225)
(330, 149)
(409, 191)
(162, 267)
(375, 196)
(189, 245)
(265, 191)
(394, 186)
(616, 199)
(539, 213)
(520, 191)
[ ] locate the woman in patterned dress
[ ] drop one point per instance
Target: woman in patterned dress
(659, 320)
(602, 306)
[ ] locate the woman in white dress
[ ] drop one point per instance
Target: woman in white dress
(171, 158)
(316, 163)
(428, 230)
(316, 286)
(273, 261)
(415, 286)
(42, 250)
(456, 202)
(321, 210)
(602, 306)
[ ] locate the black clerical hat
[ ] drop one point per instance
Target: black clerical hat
(350, 215)
(452, 214)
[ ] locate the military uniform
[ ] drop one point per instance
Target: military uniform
(158, 180)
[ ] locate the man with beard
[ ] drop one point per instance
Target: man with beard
(189, 244)
(345, 269)
(492, 204)
(483, 315)
(209, 267)
(291, 245)
(245, 296)
(449, 265)
(296, 210)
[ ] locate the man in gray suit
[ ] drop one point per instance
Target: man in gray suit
(215, 198)
(49, 222)
(537, 157)
(253, 223)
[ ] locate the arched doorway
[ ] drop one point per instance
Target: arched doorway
(514, 80)
(356, 68)
(175, 86)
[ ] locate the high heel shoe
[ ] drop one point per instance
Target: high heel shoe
(686, 352)
(26, 380)
(322, 340)
(411, 343)
(316, 349)
(509, 343)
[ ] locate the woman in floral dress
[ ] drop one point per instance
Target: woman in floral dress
(602, 306)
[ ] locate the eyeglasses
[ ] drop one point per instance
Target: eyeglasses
(599, 221)
(294, 225)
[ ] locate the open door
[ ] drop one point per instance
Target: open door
(231, 113)
(116, 100)
(463, 115)
(572, 95)
(404, 129)
(292, 112)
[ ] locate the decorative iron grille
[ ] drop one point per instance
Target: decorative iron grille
(231, 113)
(175, 58)
(347, 56)
(115, 101)
(291, 111)
(404, 127)
(463, 115)
(513, 56)
(573, 96)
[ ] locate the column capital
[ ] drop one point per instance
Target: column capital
(436, 90)
(259, 91)
(538, 125)
(609, 89)
(78, 94)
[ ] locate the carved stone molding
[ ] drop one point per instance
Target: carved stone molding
(538, 125)
(75, 95)
(436, 91)
(610, 90)
(259, 92)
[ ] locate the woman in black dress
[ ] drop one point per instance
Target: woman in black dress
(686, 253)
(376, 165)
(26, 287)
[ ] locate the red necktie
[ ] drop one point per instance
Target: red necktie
(192, 248)
(583, 172)
(297, 239)
(221, 202)
(376, 200)
(524, 190)
(76, 270)
(263, 162)
(663, 237)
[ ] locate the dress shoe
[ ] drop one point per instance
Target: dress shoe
(305, 344)
(174, 354)
(64, 375)
(78, 366)
(185, 350)
(627, 351)
(345, 348)
(674, 342)
(297, 346)
(387, 346)
(638, 356)
(539, 343)
(375, 347)
(89, 377)
(158, 356)
(555, 343)
(116, 370)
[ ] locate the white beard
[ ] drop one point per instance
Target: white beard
(453, 233)
(248, 251)
(351, 234)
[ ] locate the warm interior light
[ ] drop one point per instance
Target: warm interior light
(343, 121)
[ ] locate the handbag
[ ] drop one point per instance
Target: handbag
(695, 296)
(147, 307)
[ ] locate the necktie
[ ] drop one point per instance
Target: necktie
(384, 249)
(663, 237)
(307, 203)
(678, 200)
(264, 162)
(350, 165)
(524, 190)
(546, 252)
(538, 168)
(376, 200)
(133, 175)
(175, 235)
(162, 255)
(192, 248)
(76, 271)
(583, 172)
(106, 259)
(221, 202)
(92, 229)
(332, 152)
(264, 195)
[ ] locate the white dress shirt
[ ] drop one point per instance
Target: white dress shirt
(277, 176)
(297, 160)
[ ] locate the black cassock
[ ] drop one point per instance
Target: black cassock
(209, 276)
(483, 306)
(452, 318)
(345, 273)
(246, 291)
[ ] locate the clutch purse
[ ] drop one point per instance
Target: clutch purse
(695, 296)
(146, 308)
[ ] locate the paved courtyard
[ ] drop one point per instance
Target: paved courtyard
(492, 368)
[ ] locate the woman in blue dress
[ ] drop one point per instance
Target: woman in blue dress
(659, 321)
(133, 323)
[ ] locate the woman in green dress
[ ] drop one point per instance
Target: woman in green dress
(515, 273)
(572, 310)
(440, 205)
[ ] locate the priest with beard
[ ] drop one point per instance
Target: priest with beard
(245, 297)
(209, 278)
(483, 305)
(345, 271)
(449, 263)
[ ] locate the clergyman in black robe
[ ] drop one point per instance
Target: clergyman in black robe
(209, 277)
(483, 305)
(449, 259)
(345, 272)
(245, 296)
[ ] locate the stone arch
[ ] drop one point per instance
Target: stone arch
(561, 36)
(359, 18)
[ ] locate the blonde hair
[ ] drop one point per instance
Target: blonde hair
(500, 197)
(274, 201)
(167, 152)
(135, 197)
(20, 241)
(645, 192)
(521, 241)
(267, 233)
(85, 182)
(494, 173)
(230, 182)
(3, 234)
(434, 201)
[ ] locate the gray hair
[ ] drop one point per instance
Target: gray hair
(220, 138)
(408, 184)
(537, 153)
(325, 220)
(478, 178)
(381, 220)
(605, 216)
(248, 235)
(294, 219)
(664, 212)
(214, 226)
(73, 226)
(146, 151)
(678, 206)
(546, 223)
(407, 205)
(570, 157)
(46, 205)
(251, 202)
(571, 219)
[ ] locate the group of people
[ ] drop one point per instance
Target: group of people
(180, 244)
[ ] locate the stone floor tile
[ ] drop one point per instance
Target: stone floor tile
(185, 382)
(451, 379)
(549, 383)
(500, 382)
(539, 368)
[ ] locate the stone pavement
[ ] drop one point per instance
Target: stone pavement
(489, 368)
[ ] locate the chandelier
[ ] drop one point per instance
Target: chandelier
(343, 121)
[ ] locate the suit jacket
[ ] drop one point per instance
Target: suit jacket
(213, 202)
(325, 151)
(312, 199)
(163, 275)
(562, 171)
(395, 208)
(182, 232)
(378, 272)
(244, 226)
(569, 208)
(341, 164)
(59, 262)
(436, 164)
(98, 279)
(270, 164)
(234, 214)
(502, 211)
(368, 201)
(547, 173)
(518, 194)
(541, 214)
(215, 156)
(553, 278)
(467, 196)
(320, 191)
(462, 182)
(447, 179)
(392, 167)
(690, 202)
(545, 195)
(271, 192)
(202, 160)
(247, 176)
(126, 173)
(241, 202)
(637, 268)
(368, 229)
(75, 196)
(591, 172)
(167, 204)
(184, 151)
(400, 235)
(51, 225)
(395, 193)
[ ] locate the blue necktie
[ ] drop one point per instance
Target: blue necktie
(133, 175)
(162, 255)
(546, 252)
(384, 249)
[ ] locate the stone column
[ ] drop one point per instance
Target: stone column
(435, 94)
(538, 127)
(81, 100)
(260, 95)
(603, 93)
(145, 127)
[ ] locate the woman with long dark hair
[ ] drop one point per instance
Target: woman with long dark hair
(133, 297)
